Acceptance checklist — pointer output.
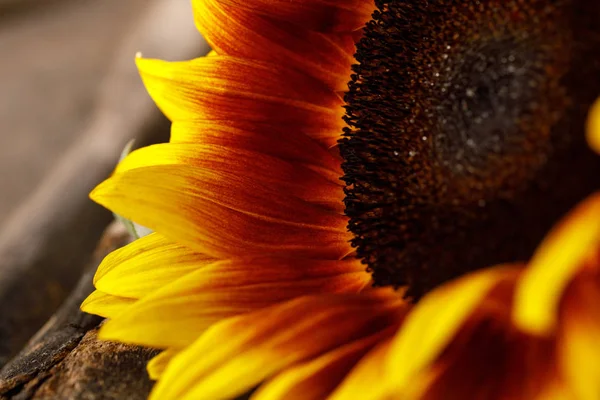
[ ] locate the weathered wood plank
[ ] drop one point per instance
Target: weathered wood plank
(67, 341)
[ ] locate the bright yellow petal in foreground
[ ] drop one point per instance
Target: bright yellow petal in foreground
(146, 265)
(436, 319)
(237, 354)
(579, 337)
(316, 379)
(562, 254)
(367, 380)
(105, 305)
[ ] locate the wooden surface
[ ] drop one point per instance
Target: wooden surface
(66, 361)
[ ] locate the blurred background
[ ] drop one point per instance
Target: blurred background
(55, 56)
(70, 99)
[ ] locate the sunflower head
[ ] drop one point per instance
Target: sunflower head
(464, 117)
(464, 142)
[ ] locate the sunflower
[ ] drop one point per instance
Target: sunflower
(462, 132)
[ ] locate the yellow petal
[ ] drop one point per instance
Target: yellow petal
(243, 169)
(579, 337)
(593, 127)
(237, 354)
(487, 358)
(146, 265)
(264, 201)
(177, 314)
(366, 381)
(242, 32)
(105, 305)
(157, 365)
(436, 319)
(228, 88)
(268, 138)
(317, 378)
(562, 255)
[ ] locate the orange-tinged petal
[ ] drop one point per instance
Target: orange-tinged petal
(579, 336)
(560, 257)
(228, 173)
(367, 380)
(489, 359)
(319, 15)
(105, 305)
(486, 358)
(436, 319)
(229, 88)
(177, 314)
(223, 214)
(556, 391)
(146, 265)
(237, 354)
(593, 127)
(241, 32)
(157, 365)
(283, 142)
(317, 378)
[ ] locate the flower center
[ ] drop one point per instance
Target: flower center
(465, 138)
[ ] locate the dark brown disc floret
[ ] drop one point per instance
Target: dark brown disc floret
(465, 138)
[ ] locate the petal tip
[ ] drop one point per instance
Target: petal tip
(593, 127)
(85, 306)
(148, 66)
(560, 257)
(99, 193)
(111, 331)
(91, 306)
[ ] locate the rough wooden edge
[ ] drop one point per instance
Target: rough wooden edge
(96, 370)
(65, 360)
